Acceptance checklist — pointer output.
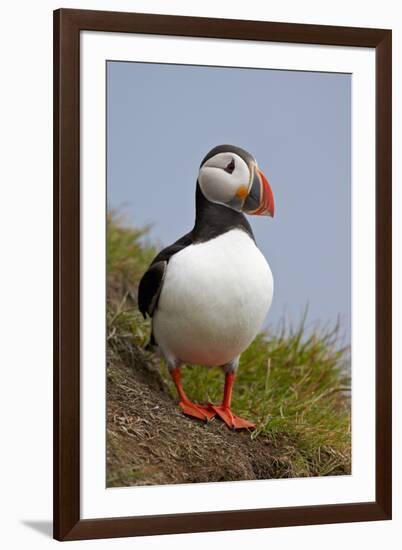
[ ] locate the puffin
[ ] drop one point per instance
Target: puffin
(208, 293)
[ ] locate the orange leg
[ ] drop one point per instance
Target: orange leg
(224, 411)
(188, 407)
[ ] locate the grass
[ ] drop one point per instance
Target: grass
(126, 262)
(292, 382)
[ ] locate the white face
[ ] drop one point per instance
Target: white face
(225, 179)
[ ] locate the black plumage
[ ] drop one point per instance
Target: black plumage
(151, 282)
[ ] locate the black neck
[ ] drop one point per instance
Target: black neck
(213, 219)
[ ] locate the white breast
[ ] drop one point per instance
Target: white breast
(214, 299)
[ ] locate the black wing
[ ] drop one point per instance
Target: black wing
(151, 283)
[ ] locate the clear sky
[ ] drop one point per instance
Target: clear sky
(162, 120)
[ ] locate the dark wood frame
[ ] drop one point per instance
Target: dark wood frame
(67, 27)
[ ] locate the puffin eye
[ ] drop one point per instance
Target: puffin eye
(230, 167)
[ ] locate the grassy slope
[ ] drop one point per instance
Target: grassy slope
(292, 384)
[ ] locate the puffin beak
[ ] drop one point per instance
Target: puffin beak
(260, 199)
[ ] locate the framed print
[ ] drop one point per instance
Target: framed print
(222, 362)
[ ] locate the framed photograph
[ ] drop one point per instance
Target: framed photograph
(222, 274)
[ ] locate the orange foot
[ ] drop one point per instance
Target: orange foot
(197, 411)
(234, 422)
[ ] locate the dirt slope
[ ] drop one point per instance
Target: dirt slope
(151, 442)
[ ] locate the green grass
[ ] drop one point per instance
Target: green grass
(293, 387)
(126, 262)
(292, 382)
(126, 256)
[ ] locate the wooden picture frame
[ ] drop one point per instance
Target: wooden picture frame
(68, 524)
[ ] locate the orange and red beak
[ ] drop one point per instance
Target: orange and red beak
(260, 199)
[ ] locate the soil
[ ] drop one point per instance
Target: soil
(150, 441)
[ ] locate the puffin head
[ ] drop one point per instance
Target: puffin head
(230, 176)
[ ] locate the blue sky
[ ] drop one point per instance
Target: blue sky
(162, 120)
